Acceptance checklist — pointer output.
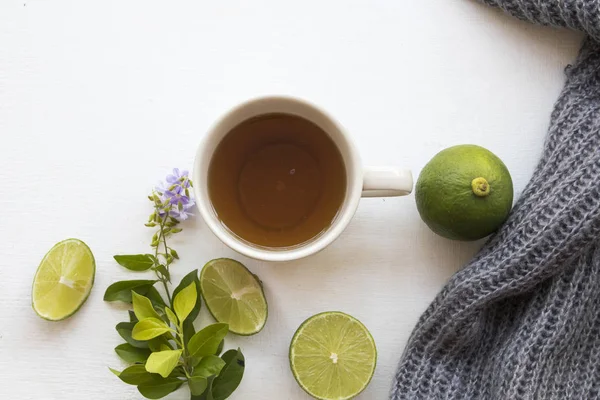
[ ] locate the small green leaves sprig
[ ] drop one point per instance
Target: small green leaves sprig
(165, 354)
(161, 343)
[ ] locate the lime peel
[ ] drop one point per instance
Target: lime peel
(464, 192)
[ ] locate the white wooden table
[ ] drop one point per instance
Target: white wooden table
(99, 99)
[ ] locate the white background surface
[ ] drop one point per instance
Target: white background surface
(98, 100)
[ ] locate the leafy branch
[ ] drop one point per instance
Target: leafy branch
(161, 343)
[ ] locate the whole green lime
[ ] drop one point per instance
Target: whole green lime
(464, 193)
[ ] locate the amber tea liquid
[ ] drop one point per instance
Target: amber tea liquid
(277, 180)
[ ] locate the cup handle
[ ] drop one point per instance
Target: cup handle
(386, 182)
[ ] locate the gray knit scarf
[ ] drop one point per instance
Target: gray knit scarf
(522, 319)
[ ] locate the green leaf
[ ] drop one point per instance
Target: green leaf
(171, 315)
(220, 348)
(207, 395)
(159, 387)
(174, 254)
(158, 343)
(155, 297)
(154, 346)
(121, 291)
(209, 365)
(185, 282)
(163, 362)
(132, 317)
(136, 262)
(185, 301)
(206, 342)
(230, 376)
(132, 354)
(149, 328)
(188, 331)
(125, 330)
(178, 372)
(164, 271)
(197, 385)
(135, 375)
(142, 307)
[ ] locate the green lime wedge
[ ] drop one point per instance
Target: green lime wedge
(63, 280)
(333, 356)
(234, 296)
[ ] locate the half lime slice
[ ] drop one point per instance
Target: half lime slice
(234, 296)
(63, 280)
(333, 356)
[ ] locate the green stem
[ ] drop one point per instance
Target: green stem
(179, 342)
(164, 282)
(167, 263)
(164, 240)
(185, 350)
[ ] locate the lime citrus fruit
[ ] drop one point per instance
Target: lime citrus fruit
(234, 295)
(464, 193)
(63, 280)
(333, 356)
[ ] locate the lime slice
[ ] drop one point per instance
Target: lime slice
(333, 356)
(63, 280)
(234, 296)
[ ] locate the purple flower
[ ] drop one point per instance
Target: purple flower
(179, 178)
(177, 195)
(182, 212)
(176, 192)
(161, 188)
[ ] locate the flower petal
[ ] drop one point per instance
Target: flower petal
(160, 187)
(184, 200)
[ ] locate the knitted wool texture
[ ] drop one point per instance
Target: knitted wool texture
(522, 319)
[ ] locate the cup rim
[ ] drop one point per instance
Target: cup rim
(345, 215)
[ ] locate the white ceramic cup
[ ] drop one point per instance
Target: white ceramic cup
(361, 181)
